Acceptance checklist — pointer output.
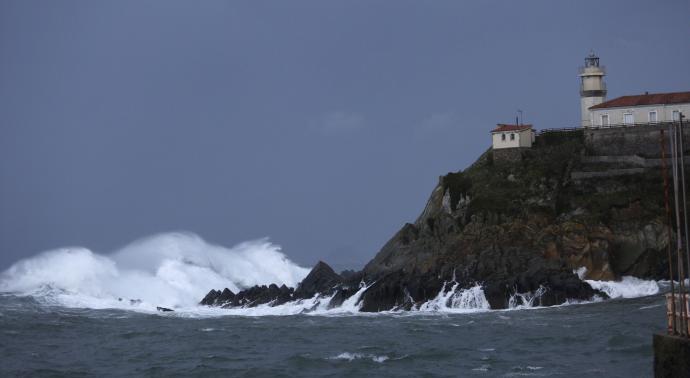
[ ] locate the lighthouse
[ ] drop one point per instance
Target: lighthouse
(592, 87)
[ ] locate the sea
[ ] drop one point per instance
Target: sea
(74, 312)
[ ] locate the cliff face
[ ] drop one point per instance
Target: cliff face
(515, 223)
(516, 226)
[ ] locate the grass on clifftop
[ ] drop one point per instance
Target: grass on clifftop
(540, 183)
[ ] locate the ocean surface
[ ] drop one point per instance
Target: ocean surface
(74, 312)
(606, 339)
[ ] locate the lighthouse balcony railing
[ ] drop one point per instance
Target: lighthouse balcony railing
(583, 70)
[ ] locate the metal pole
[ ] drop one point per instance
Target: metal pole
(669, 230)
(681, 143)
(679, 229)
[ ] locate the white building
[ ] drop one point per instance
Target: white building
(646, 108)
(626, 110)
(512, 136)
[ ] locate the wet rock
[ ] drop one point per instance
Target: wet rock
(226, 296)
(341, 295)
(210, 298)
(512, 227)
(322, 279)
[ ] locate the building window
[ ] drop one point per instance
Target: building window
(512, 136)
(605, 120)
(628, 119)
(503, 137)
(652, 116)
(676, 115)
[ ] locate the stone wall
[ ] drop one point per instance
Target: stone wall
(607, 173)
(512, 155)
(671, 356)
(643, 140)
(632, 160)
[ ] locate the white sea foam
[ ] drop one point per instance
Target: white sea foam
(457, 300)
(358, 356)
(530, 299)
(171, 270)
(176, 270)
(627, 287)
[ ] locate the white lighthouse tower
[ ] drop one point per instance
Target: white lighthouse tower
(592, 87)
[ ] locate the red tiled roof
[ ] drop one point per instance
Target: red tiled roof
(646, 99)
(502, 127)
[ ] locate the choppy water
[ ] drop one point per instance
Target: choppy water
(607, 339)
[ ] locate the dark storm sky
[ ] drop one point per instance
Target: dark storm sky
(323, 125)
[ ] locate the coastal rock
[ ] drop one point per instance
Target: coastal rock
(321, 279)
(210, 298)
(524, 227)
(517, 229)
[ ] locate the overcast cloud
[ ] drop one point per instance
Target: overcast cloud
(296, 120)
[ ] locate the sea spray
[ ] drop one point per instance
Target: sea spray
(627, 287)
(171, 270)
(457, 299)
(526, 300)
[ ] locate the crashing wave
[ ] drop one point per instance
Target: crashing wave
(170, 270)
(457, 299)
(526, 300)
(627, 287)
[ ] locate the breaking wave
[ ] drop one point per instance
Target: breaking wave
(169, 270)
(627, 287)
(530, 299)
(357, 356)
(456, 299)
(176, 270)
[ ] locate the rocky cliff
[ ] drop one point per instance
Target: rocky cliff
(519, 226)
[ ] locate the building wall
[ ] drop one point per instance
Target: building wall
(585, 104)
(643, 140)
(664, 113)
(523, 138)
(527, 138)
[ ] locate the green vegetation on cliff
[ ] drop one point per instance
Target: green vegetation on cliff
(520, 224)
(541, 182)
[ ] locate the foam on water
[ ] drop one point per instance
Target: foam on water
(627, 287)
(530, 299)
(357, 356)
(457, 300)
(170, 270)
(176, 270)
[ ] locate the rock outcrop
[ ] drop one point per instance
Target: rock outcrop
(518, 226)
(321, 280)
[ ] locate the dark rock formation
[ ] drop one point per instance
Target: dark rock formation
(216, 297)
(517, 226)
(210, 298)
(321, 279)
(511, 226)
